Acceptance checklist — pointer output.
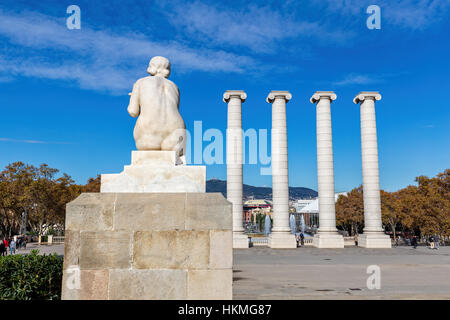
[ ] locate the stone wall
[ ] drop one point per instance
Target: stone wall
(148, 246)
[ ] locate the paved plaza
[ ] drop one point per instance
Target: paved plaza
(311, 273)
(43, 249)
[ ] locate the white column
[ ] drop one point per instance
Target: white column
(234, 98)
(373, 236)
(280, 236)
(327, 236)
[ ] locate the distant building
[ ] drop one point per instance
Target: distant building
(300, 204)
(254, 206)
(310, 211)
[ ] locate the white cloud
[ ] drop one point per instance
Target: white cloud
(261, 29)
(42, 46)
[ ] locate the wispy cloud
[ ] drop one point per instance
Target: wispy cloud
(356, 79)
(31, 141)
(98, 60)
(259, 28)
(416, 14)
(409, 14)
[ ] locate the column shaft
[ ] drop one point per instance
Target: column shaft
(325, 170)
(234, 98)
(373, 236)
(234, 162)
(281, 236)
(327, 236)
(371, 180)
(280, 180)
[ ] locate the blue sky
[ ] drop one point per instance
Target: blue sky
(63, 95)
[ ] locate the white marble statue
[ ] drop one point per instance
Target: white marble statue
(156, 100)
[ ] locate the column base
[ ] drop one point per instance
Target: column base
(240, 241)
(374, 240)
(328, 240)
(282, 241)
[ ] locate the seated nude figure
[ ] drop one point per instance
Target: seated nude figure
(156, 100)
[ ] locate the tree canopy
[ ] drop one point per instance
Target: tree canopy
(39, 191)
(423, 208)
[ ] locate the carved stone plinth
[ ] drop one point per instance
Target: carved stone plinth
(156, 171)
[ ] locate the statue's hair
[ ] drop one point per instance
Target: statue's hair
(159, 66)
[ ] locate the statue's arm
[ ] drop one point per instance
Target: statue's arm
(133, 107)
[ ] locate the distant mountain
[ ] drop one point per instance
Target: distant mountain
(215, 185)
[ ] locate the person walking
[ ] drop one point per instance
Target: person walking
(414, 242)
(2, 248)
(12, 247)
(5, 240)
(302, 239)
(431, 240)
(356, 239)
(436, 242)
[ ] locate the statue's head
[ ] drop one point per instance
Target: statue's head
(159, 66)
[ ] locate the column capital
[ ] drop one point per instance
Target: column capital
(286, 95)
(234, 93)
(323, 95)
(363, 95)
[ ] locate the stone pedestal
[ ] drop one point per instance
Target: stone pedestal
(156, 171)
(282, 240)
(374, 240)
(148, 246)
(328, 240)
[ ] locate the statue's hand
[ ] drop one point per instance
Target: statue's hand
(133, 107)
(134, 113)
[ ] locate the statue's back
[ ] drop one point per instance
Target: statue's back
(159, 100)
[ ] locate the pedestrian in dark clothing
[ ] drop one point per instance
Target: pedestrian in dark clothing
(414, 242)
(2, 248)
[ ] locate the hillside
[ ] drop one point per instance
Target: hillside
(215, 185)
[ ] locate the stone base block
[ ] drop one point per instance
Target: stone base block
(282, 240)
(156, 171)
(148, 246)
(240, 241)
(328, 240)
(374, 240)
